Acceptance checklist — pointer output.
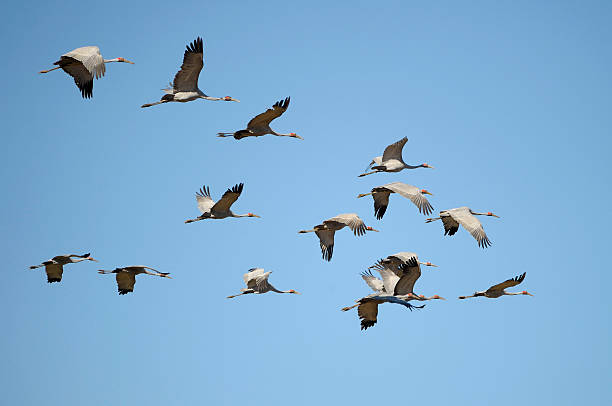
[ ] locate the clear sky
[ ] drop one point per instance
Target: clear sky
(510, 101)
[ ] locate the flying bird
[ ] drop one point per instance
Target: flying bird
(184, 88)
(55, 266)
(221, 209)
(381, 197)
(256, 281)
(464, 216)
(260, 124)
(499, 289)
(83, 64)
(126, 276)
(396, 286)
(391, 160)
(326, 231)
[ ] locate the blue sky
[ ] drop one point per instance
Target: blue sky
(509, 101)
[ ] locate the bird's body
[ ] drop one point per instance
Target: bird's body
(498, 290)
(466, 217)
(399, 272)
(256, 280)
(260, 124)
(220, 209)
(84, 64)
(55, 266)
(185, 88)
(126, 276)
(327, 230)
(391, 160)
(381, 194)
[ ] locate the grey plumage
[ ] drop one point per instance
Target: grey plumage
(466, 217)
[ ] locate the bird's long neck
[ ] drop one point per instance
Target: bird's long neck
(203, 96)
(412, 167)
(512, 293)
(240, 215)
(111, 60)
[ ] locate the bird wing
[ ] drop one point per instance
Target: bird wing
(413, 193)
(54, 272)
(264, 119)
(367, 312)
(375, 162)
(229, 197)
(394, 151)
(508, 283)
(351, 220)
(326, 241)
(389, 277)
(205, 202)
(186, 79)
(82, 77)
(411, 271)
(450, 225)
(252, 275)
(472, 224)
(125, 281)
(381, 201)
(91, 58)
(375, 283)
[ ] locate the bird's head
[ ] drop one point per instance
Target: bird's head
(426, 165)
(294, 291)
(425, 192)
(437, 297)
(491, 214)
(526, 293)
(371, 229)
(124, 60)
(228, 98)
(294, 135)
(428, 264)
(253, 215)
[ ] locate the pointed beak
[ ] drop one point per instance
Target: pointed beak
(297, 136)
(529, 294)
(429, 166)
(234, 100)
(427, 193)
(166, 276)
(296, 292)
(378, 231)
(494, 215)
(95, 260)
(255, 215)
(125, 60)
(440, 297)
(428, 264)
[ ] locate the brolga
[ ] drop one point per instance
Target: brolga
(391, 160)
(396, 286)
(184, 88)
(326, 231)
(260, 124)
(381, 197)
(220, 209)
(256, 281)
(126, 276)
(55, 266)
(498, 290)
(466, 217)
(83, 64)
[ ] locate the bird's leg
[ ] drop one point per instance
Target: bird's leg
(233, 296)
(306, 231)
(225, 134)
(364, 194)
(368, 173)
(49, 70)
(154, 104)
(36, 266)
(345, 309)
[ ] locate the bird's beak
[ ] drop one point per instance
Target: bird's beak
(440, 297)
(297, 136)
(429, 166)
(236, 100)
(166, 276)
(428, 264)
(494, 215)
(529, 294)
(125, 60)
(95, 260)
(255, 215)
(427, 193)
(296, 292)
(375, 230)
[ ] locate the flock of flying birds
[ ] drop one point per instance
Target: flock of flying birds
(398, 272)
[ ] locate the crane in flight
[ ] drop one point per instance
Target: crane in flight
(396, 286)
(55, 266)
(466, 217)
(391, 160)
(381, 197)
(498, 290)
(126, 276)
(184, 88)
(83, 64)
(220, 209)
(256, 281)
(326, 231)
(260, 124)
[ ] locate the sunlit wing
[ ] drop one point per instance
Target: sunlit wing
(205, 202)
(352, 221)
(373, 282)
(471, 224)
(413, 193)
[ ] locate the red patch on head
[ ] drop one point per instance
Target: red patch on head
(292, 134)
(227, 98)
(368, 228)
(423, 190)
(421, 295)
(489, 214)
(250, 214)
(436, 297)
(428, 263)
(524, 292)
